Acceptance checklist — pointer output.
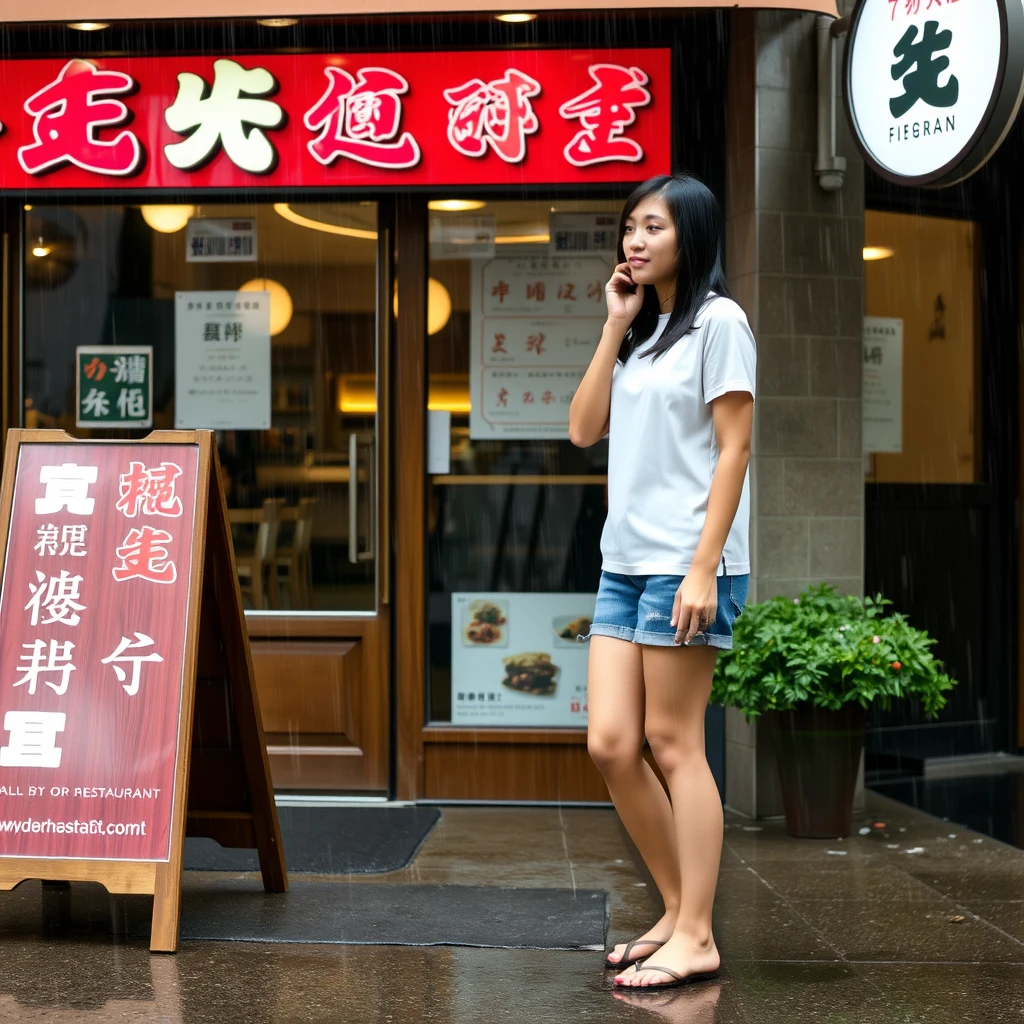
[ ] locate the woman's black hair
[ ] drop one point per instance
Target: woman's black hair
(698, 222)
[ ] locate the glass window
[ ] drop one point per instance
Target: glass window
(302, 493)
(923, 273)
(516, 304)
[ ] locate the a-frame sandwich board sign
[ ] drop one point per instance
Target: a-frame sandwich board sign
(128, 709)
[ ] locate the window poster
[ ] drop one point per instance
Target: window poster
(882, 393)
(518, 660)
(222, 360)
(534, 327)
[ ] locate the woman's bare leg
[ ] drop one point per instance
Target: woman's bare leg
(678, 685)
(615, 738)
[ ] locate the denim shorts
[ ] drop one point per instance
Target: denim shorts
(639, 609)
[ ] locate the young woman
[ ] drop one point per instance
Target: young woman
(672, 386)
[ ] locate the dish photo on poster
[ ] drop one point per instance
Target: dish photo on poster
(532, 673)
(485, 624)
(569, 630)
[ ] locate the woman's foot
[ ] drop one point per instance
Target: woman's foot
(685, 955)
(648, 943)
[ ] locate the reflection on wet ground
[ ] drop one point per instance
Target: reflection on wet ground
(993, 803)
(916, 920)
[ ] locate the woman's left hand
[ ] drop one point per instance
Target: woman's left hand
(695, 606)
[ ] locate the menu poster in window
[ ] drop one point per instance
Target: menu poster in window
(535, 325)
(517, 659)
(222, 360)
(882, 394)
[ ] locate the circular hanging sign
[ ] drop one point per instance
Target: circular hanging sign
(933, 86)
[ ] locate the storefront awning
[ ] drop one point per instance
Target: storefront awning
(135, 10)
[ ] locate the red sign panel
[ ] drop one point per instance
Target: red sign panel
(92, 647)
(464, 118)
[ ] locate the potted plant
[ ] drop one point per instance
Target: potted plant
(819, 661)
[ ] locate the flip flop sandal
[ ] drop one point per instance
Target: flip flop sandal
(678, 979)
(627, 960)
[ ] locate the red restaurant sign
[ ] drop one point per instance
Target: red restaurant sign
(92, 649)
(315, 120)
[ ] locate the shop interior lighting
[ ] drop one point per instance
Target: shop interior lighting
(439, 305)
(41, 250)
(167, 219)
(284, 210)
(878, 252)
(28, 207)
(517, 18)
(89, 26)
(455, 205)
(277, 22)
(521, 239)
(281, 306)
(447, 392)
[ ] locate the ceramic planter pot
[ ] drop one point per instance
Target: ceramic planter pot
(818, 755)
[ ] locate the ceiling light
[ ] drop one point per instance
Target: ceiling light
(516, 19)
(28, 207)
(284, 210)
(89, 26)
(455, 205)
(41, 250)
(281, 306)
(277, 22)
(878, 252)
(167, 219)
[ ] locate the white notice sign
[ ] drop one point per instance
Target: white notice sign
(220, 240)
(222, 360)
(535, 324)
(516, 659)
(882, 394)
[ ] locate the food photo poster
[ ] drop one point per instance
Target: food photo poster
(520, 659)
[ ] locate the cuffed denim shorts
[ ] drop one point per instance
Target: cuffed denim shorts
(639, 609)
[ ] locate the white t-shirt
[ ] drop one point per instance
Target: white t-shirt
(662, 450)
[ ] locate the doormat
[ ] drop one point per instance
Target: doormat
(369, 914)
(330, 841)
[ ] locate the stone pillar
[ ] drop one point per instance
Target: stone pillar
(794, 261)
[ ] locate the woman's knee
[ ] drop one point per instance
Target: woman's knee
(614, 752)
(674, 750)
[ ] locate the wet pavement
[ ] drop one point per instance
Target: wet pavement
(865, 929)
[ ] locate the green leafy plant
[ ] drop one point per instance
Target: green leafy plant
(827, 650)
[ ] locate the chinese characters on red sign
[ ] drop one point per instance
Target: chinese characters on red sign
(530, 116)
(92, 642)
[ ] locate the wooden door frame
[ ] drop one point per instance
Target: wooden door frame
(409, 639)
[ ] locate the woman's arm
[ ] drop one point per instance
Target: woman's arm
(733, 417)
(697, 599)
(591, 405)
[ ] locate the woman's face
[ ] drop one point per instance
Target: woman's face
(650, 243)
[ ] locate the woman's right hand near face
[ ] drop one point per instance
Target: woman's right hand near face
(624, 296)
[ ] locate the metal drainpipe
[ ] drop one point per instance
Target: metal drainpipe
(829, 167)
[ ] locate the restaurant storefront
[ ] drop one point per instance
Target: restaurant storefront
(371, 255)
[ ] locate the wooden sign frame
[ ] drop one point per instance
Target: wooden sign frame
(222, 787)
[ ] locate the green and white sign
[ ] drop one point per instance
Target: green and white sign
(114, 385)
(933, 86)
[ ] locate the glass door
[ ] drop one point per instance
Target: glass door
(263, 319)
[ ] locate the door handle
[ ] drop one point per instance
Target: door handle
(354, 554)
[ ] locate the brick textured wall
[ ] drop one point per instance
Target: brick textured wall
(794, 260)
